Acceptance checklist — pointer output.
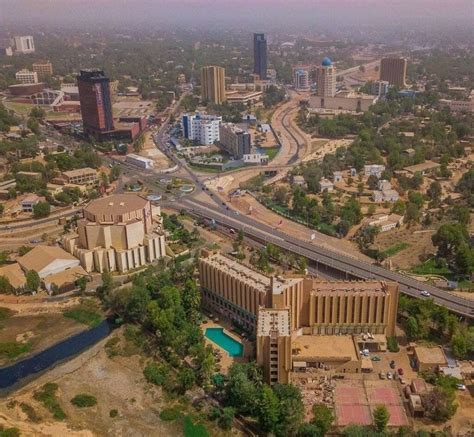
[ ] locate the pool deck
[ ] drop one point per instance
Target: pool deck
(226, 360)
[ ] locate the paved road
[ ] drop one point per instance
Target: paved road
(352, 266)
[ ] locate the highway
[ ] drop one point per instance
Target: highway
(352, 266)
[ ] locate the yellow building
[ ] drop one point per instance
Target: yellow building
(43, 68)
(300, 321)
(117, 233)
(213, 84)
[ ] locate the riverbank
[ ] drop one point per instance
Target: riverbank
(117, 383)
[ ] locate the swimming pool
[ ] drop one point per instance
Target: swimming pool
(219, 337)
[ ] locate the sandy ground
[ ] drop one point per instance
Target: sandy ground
(329, 147)
(264, 215)
(151, 151)
(117, 383)
(34, 305)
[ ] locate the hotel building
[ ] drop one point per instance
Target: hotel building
(200, 127)
(213, 84)
(117, 233)
(234, 140)
(300, 321)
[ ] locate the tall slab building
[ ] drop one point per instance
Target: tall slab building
(394, 70)
(213, 84)
(260, 55)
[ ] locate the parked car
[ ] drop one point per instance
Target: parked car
(382, 375)
(389, 375)
(425, 293)
(392, 364)
(400, 371)
(461, 387)
(402, 381)
(376, 358)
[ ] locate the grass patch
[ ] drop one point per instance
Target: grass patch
(84, 400)
(170, 414)
(9, 432)
(47, 396)
(393, 250)
(5, 313)
(430, 268)
(30, 412)
(84, 315)
(13, 349)
(271, 152)
(192, 429)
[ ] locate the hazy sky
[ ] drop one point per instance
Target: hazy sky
(264, 14)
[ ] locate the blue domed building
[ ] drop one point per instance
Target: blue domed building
(326, 62)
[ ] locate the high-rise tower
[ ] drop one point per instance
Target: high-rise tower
(213, 84)
(394, 71)
(260, 55)
(326, 79)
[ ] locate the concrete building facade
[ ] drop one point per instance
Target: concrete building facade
(81, 176)
(25, 76)
(260, 55)
(117, 233)
(394, 71)
(326, 79)
(201, 127)
(24, 44)
(234, 140)
(213, 84)
(301, 80)
(43, 68)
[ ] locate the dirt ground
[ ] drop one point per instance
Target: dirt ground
(418, 239)
(40, 330)
(117, 383)
(151, 151)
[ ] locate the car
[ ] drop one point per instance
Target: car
(425, 293)
(389, 375)
(382, 375)
(461, 387)
(376, 358)
(402, 381)
(400, 371)
(392, 364)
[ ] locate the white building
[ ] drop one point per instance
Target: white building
(301, 80)
(201, 127)
(47, 260)
(385, 222)
(256, 158)
(326, 185)
(344, 101)
(25, 76)
(139, 161)
(374, 170)
(379, 88)
(337, 176)
(390, 195)
(28, 203)
(326, 79)
(24, 44)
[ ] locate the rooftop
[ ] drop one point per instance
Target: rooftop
(14, 274)
(79, 172)
(430, 355)
(66, 277)
(273, 321)
(428, 165)
(338, 347)
(41, 256)
(321, 286)
(117, 204)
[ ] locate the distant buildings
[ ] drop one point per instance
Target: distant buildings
(96, 102)
(200, 127)
(234, 140)
(458, 105)
(117, 233)
(43, 68)
(80, 176)
(379, 88)
(301, 322)
(302, 80)
(343, 101)
(28, 203)
(140, 161)
(394, 70)
(374, 170)
(326, 79)
(26, 77)
(213, 84)
(260, 55)
(24, 44)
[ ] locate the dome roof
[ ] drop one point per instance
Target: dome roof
(326, 62)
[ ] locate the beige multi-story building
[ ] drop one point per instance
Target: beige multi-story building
(301, 321)
(81, 176)
(117, 233)
(326, 79)
(43, 68)
(25, 76)
(394, 70)
(235, 140)
(213, 84)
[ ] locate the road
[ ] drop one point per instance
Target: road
(351, 266)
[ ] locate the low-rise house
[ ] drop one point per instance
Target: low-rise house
(299, 181)
(385, 222)
(337, 176)
(14, 274)
(81, 176)
(30, 175)
(255, 158)
(379, 196)
(29, 202)
(425, 168)
(384, 185)
(374, 170)
(409, 152)
(429, 358)
(326, 185)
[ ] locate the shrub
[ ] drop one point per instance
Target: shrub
(170, 414)
(30, 412)
(113, 413)
(84, 400)
(47, 396)
(392, 344)
(156, 373)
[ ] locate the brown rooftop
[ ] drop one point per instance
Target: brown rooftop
(430, 355)
(79, 172)
(41, 256)
(116, 205)
(339, 347)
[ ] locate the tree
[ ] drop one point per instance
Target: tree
(291, 409)
(33, 125)
(81, 283)
(381, 418)
(226, 418)
(280, 195)
(399, 207)
(268, 410)
(186, 379)
(191, 299)
(465, 186)
(323, 418)
(412, 214)
(310, 430)
(373, 182)
(33, 280)
(411, 328)
(115, 172)
(449, 238)
(41, 210)
(434, 191)
(440, 404)
(5, 286)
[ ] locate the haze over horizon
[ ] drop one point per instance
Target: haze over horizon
(261, 14)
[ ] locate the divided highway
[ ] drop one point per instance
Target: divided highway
(352, 266)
